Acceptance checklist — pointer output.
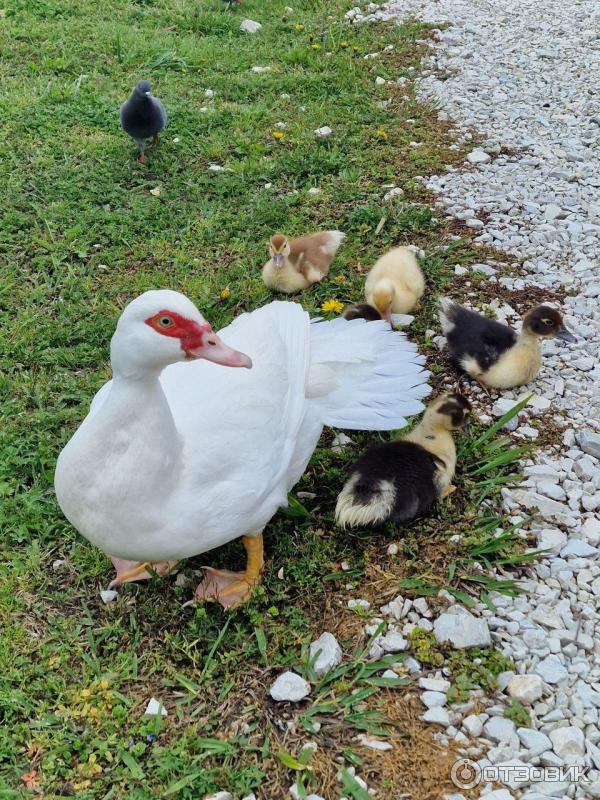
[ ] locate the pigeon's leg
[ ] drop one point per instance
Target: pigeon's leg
(128, 571)
(155, 138)
(230, 589)
(141, 156)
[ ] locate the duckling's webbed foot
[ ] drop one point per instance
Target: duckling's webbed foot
(231, 589)
(129, 571)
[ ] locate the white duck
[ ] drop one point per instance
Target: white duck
(178, 456)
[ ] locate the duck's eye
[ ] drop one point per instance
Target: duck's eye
(165, 322)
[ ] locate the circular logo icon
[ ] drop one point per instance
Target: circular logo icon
(465, 774)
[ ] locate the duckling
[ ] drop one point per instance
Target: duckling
(395, 284)
(297, 264)
(492, 353)
(398, 481)
(362, 311)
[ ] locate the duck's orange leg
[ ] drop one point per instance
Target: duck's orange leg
(128, 571)
(231, 589)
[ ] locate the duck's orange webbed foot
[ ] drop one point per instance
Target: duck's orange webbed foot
(231, 589)
(128, 571)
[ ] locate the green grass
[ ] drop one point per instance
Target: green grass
(81, 234)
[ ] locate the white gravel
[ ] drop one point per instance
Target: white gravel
(525, 75)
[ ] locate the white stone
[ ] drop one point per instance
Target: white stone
(473, 725)
(551, 539)
(534, 741)
(514, 771)
(437, 715)
(498, 794)
(330, 654)
(250, 26)
(395, 192)
(568, 742)
(374, 744)
(108, 596)
(289, 687)
(323, 132)
(433, 699)
(393, 642)
(499, 729)
(478, 156)
(154, 708)
(459, 627)
(589, 441)
(340, 441)
(526, 688)
(552, 670)
(220, 796)
(355, 603)
(591, 531)
(434, 684)
(578, 548)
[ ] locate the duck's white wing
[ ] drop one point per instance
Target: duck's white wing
(240, 427)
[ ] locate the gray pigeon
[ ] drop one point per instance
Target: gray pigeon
(143, 116)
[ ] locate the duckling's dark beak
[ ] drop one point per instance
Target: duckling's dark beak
(565, 334)
(467, 427)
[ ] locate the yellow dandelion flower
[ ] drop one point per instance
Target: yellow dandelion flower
(225, 293)
(315, 46)
(277, 135)
(343, 44)
(341, 279)
(335, 306)
(382, 134)
(298, 27)
(104, 684)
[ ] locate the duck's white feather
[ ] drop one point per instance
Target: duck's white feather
(168, 470)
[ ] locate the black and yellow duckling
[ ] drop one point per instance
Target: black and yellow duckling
(398, 481)
(492, 353)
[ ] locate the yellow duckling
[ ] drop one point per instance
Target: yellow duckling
(395, 284)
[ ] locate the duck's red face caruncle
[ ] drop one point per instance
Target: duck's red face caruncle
(197, 340)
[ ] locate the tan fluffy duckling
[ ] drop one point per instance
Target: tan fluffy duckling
(298, 263)
(398, 481)
(492, 353)
(395, 284)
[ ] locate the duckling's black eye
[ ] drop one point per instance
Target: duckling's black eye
(547, 322)
(165, 322)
